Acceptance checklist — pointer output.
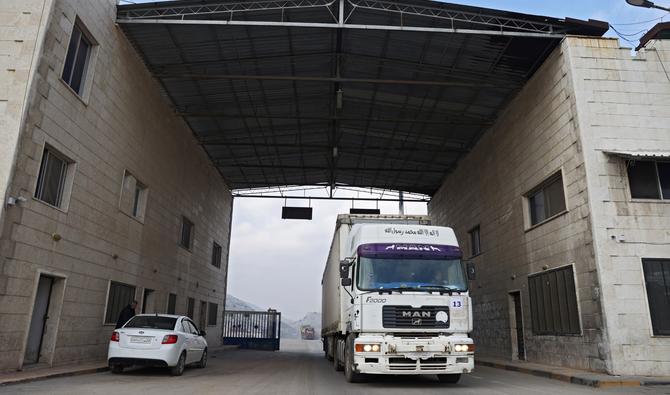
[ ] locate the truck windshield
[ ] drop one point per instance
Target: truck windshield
(391, 273)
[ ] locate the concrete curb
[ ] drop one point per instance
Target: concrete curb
(585, 378)
(46, 374)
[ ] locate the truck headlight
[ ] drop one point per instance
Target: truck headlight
(373, 347)
(464, 348)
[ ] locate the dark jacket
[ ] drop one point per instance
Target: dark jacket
(127, 313)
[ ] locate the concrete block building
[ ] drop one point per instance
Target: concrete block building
(563, 206)
(107, 197)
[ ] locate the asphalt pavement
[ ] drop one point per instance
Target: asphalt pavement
(300, 368)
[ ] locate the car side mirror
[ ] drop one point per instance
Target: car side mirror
(470, 271)
(346, 282)
(203, 333)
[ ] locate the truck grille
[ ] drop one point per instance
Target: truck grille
(411, 317)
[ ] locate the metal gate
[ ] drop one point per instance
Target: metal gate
(258, 330)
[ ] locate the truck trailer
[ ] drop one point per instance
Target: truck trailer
(395, 299)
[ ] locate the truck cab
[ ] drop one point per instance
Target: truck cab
(404, 303)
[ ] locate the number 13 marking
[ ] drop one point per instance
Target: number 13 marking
(456, 304)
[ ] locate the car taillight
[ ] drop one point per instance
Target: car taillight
(169, 339)
(115, 336)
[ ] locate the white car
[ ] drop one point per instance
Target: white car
(171, 341)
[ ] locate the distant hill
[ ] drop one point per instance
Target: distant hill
(233, 303)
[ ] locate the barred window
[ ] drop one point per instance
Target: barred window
(120, 295)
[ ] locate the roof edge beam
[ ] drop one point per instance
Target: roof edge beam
(340, 26)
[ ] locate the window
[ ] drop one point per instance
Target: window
(120, 296)
(649, 179)
(133, 196)
(191, 327)
(152, 322)
(553, 302)
(216, 255)
(657, 280)
(547, 200)
(186, 233)
(475, 246)
(77, 59)
(172, 303)
(212, 314)
(191, 307)
(51, 179)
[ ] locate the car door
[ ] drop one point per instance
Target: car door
(198, 344)
(188, 340)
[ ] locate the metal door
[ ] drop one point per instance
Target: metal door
(518, 317)
(202, 322)
(38, 320)
(149, 301)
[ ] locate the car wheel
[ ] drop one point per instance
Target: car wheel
(203, 359)
(350, 372)
(449, 378)
(178, 370)
(116, 369)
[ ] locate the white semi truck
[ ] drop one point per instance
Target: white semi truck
(395, 299)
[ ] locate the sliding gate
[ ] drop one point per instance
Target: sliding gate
(258, 330)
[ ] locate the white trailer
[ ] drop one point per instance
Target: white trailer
(395, 299)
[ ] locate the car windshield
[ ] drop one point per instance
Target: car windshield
(151, 322)
(394, 273)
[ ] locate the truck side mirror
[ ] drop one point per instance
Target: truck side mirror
(344, 268)
(470, 271)
(346, 282)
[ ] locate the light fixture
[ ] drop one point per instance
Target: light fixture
(646, 4)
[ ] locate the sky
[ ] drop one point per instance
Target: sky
(278, 263)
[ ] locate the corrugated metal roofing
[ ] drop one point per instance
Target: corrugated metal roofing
(382, 94)
(640, 154)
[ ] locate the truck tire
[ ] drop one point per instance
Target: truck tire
(350, 372)
(449, 378)
(329, 348)
(337, 364)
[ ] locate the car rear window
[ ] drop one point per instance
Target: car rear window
(152, 322)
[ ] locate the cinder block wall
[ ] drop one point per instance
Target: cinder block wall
(623, 104)
(535, 136)
(124, 125)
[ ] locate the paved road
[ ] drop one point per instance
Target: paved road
(300, 369)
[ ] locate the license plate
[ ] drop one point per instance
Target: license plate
(140, 339)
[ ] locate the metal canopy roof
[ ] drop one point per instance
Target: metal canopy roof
(340, 92)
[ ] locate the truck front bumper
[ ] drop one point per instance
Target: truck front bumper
(414, 356)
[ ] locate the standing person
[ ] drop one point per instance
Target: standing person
(127, 313)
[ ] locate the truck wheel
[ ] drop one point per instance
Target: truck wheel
(449, 378)
(337, 364)
(350, 372)
(328, 348)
